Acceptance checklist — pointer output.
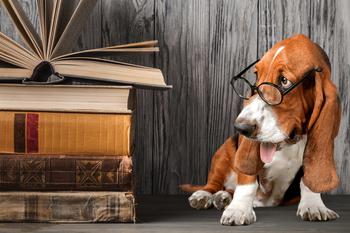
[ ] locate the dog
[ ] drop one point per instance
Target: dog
(288, 123)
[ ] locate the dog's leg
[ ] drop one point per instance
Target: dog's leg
(211, 195)
(240, 210)
(223, 198)
(311, 206)
(219, 174)
(214, 194)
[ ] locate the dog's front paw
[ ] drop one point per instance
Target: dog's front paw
(238, 216)
(201, 200)
(309, 212)
(222, 199)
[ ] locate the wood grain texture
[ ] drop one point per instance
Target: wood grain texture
(127, 21)
(203, 43)
(279, 19)
(341, 71)
(233, 45)
(180, 115)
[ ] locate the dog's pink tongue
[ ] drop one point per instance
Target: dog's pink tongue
(267, 150)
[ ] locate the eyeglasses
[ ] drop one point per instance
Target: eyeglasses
(269, 92)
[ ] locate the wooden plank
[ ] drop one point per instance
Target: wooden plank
(127, 21)
(233, 45)
(280, 19)
(341, 71)
(180, 115)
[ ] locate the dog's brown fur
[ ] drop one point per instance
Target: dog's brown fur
(312, 108)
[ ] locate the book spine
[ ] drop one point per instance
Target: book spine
(62, 172)
(64, 133)
(67, 207)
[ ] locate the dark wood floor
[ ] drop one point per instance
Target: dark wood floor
(167, 214)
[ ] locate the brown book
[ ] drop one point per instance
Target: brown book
(65, 133)
(48, 55)
(67, 207)
(65, 173)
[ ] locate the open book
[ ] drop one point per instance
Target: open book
(47, 56)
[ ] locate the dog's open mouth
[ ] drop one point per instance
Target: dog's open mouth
(267, 151)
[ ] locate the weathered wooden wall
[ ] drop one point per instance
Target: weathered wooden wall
(203, 43)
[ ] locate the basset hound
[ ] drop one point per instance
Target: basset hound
(288, 123)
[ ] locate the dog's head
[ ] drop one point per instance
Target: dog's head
(312, 107)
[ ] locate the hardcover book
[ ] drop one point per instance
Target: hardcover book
(62, 172)
(67, 207)
(65, 133)
(67, 98)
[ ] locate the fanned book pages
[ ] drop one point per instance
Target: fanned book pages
(47, 56)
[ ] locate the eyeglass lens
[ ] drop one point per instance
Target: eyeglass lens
(242, 88)
(243, 85)
(270, 94)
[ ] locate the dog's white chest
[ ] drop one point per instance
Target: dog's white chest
(279, 174)
(286, 161)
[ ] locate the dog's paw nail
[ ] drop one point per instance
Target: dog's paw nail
(316, 213)
(233, 216)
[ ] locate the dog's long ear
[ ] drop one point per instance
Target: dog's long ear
(319, 167)
(247, 157)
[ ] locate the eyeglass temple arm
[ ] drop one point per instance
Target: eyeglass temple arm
(245, 70)
(317, 69)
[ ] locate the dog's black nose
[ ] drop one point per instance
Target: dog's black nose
(244, 128)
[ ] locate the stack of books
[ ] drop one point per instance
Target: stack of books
(65, 150)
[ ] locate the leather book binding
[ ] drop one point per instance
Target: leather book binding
(65, 173)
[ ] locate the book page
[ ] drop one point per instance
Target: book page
(74, 27)
(41, 5)
(62, 14)
(13, 60)
(65, 14)
(112, 72)
(11, 53)
(71, 98)
(9, 59)
(109, 52)
(146, 46)
(56, 5)
(102, 60)
(24, 26)
(9, 74)
(13, 49)
(46, 10)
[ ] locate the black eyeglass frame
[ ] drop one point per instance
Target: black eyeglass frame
(254, 88)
